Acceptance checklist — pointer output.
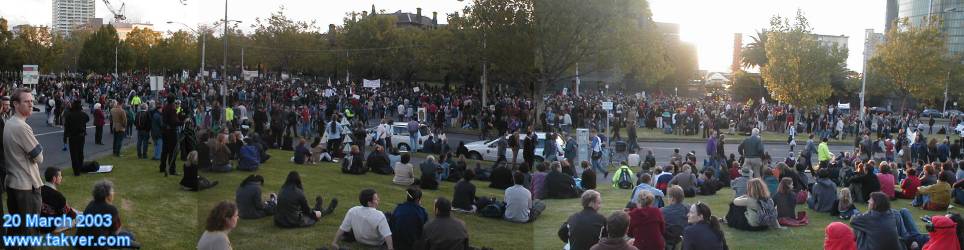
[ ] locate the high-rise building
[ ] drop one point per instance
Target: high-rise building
(871, 41)
(67, 14)
(891, 14)
(951, 12)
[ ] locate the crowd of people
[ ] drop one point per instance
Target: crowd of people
(233, 129)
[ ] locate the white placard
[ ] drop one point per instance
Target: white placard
(416, 89)
(248, 74)
(31, 74)
(157, 83)
(607, 105)
(377, 83)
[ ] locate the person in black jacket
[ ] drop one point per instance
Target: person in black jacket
(529, 151)
(248, 198)
(867, 181)
(293, 210)
(169, 132)
(588, 177)
(54, 203)
(582, 229)
(75, 129)
(501, 176)
(378, 162)
(559, 185)
(464, 197)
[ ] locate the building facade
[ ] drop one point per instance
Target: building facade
(68, 14)
(833, 41)
(951, 12)
(871, 41)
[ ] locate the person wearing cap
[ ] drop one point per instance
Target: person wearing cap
(739, 184)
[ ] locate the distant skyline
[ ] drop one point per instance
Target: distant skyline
(708, 24)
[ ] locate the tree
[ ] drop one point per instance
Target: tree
(912, 59)
(8, 55)
(747, 86)
(798, 68)
(35, 45)
(754, 54)
(141, 42)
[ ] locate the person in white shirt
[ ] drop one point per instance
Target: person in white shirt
(365, 224)
(519, 206)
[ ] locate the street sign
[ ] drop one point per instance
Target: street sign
(607, 105)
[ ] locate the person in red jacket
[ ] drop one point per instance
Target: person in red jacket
(908, 187)
(646, 224)
(943, 235)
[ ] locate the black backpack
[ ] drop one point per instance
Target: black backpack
(768, 213)
(625, 180)
(143, 121)
(493, 210)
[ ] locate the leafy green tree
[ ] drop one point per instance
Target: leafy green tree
(747, 86)
(912, 58)
(97, 55)
(798, 67)
(141, 42)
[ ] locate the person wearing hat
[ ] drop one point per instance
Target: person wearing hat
(739, 184)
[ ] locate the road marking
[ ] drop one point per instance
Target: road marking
(57, 132)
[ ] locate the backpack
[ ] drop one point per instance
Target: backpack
(143, 121)
(493, 210)
(767, 214)
(625, 179)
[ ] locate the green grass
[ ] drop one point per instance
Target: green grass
(164, 217)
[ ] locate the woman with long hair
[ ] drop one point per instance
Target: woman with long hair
(222, 219)
(293, 210)
(785, 200)
(745, 210)
(704, 231)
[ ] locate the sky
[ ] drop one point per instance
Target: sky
(710, 24)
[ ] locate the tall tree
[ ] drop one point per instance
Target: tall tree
(97, 55)
(141, 41)
(798, 67)
(913, 59)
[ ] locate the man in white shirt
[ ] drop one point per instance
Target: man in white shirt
(365, 224)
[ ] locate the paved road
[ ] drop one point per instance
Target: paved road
(52, 140)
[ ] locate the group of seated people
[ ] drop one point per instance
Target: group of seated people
(54, 205)
(216, 153)
(644, 224)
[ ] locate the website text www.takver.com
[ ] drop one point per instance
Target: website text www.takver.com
(62, 240)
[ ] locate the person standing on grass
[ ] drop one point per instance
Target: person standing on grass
(23, 155)
(169, 132)
(119, 125)
(752, 152)
(222, 219)
(75, 130)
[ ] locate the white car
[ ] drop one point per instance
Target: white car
(488, 150)
(400, 136)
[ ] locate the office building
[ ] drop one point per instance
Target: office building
(68, 14)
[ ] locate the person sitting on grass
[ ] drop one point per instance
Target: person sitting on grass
(944, 234)
(661, 180)
(785, 200)
(823, 195)
(908, 187)
(537, 182)
(501, 176)
(221, 155)
(319, 152)
(675, 216)
(293, 211)
(581, 230)
(644, 181)
(704, 230)
(708, 184)
(353, 163)
(404, 171)
(248, 198)
(378, 162)
(770, 178)
(519, 206)
(430, 173)
(191, 181)
(222, 219)
(886, 180)
(686, 180)
(408, 220)
(103, 204)
(935, 197)
(617, 226)
(365, 224)
(646, 224)
(302, 153)
(839, 236)
(249, 157)
(739, 184)
(744, 213)
(587, 180)
(54, 203)
(876, 228)
(865, 182)
(559, 185)
(204, 151)
(464, 197)
(445, 231)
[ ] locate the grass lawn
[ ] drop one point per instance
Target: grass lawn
(164, 217)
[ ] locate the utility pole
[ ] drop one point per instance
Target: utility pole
(224, 70)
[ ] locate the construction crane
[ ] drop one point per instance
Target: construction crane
(118, 13)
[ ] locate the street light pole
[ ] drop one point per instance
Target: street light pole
(224, 70)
